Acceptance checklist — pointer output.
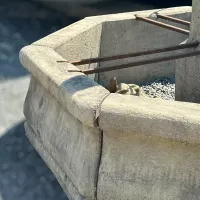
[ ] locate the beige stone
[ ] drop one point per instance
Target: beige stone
(72, 145)
(187, 69)
(61, 176)
(172, 120)
(121, 33)
(74, 90)
(138, 167)
(111, 146)
(130, 35)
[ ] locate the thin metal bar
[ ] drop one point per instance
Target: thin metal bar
(135, 54)
(139, 63)
(167, 26)
(173, 19)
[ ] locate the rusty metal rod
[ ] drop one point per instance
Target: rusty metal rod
(139, 63)
(173, 19)
(167, 26)
(135, 54)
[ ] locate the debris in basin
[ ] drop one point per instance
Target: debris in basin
(160, 88)
(163, 88)
(126, 89)
(130, 89)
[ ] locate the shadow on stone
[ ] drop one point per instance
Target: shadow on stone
(78, 83)
(23, 174)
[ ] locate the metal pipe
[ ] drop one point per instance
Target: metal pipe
(135, 54)
(139, 63)
(167, 26)
(173, 19)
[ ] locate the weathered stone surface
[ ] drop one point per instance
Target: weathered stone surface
(77, 41)
(187, 69)
(138, 167)
(145, 148)
(187, 79)
(150, 149)
(74, 147)
(118, 34)
(77, 93)
(130, 35)
(83, 45)
(172, 120)
(61, 176)
(195, 22)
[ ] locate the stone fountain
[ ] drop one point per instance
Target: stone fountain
(103, 145)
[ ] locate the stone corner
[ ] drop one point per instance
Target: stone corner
(77, 93)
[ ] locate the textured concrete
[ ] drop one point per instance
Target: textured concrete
(138, 167)
(77, 41)
(61, 176)
(102, 145)
(187, 69)
(171, 120)
(131, 35)
(74, 146)
(118, 34)
(84, 45)
(150, 149)
(70, 89)
(194, 28)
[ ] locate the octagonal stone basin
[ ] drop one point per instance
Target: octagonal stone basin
(111, 146)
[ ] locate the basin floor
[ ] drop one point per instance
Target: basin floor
(160, 88)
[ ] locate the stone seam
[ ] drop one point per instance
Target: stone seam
(101, 142)
(101, 146)
(99, 165)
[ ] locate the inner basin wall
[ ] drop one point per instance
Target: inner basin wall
(131, 35)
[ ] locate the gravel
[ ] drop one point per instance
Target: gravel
(162, 88)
